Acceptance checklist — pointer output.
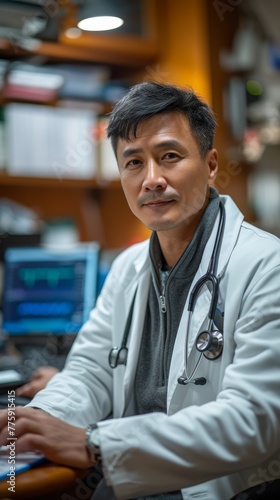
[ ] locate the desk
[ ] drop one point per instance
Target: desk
(45, 482)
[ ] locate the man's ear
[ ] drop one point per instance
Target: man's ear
(212, 163)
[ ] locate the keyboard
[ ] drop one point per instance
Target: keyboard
(8, 361)
(17, 370)
(19, 400)
(10, 379)
(35, 361)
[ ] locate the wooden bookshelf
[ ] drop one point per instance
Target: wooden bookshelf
(46, 182)
(128, 50)
(98, 208)
(181, 45)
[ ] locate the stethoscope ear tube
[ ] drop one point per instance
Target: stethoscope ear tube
(118, 355)
(214, 293)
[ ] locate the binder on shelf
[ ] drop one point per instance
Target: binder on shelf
(44, 141)
(2, 141)
(83, 81)
(3, 69)
(108, 167)
(29, 82)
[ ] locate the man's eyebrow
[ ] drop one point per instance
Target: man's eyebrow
(131, 151)
(169, 143)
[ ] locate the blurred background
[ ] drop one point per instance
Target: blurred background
(58, 177)
(63, 215)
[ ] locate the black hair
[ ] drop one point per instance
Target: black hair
(147, 99)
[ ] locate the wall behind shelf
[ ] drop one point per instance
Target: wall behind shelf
(192, 36)
(233, 175)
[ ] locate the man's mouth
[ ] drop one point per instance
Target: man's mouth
(157, 203)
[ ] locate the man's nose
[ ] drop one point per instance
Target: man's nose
(154, 178)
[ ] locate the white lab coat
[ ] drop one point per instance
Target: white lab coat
(216, 440)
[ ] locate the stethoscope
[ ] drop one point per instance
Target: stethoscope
(209, 342)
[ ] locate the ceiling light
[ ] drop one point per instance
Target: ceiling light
(100, 15)
(100, 23)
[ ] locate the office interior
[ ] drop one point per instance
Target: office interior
(59, 184)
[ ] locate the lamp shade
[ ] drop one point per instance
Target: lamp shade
(99, 15)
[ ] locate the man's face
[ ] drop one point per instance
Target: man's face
(164, 177)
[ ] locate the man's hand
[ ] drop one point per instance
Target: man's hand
(37, 382)
(58, 441)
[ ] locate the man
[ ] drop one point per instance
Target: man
(187, 406)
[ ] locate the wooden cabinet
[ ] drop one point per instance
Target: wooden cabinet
(99, 210)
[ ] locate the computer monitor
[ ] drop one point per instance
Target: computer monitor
(49, 291)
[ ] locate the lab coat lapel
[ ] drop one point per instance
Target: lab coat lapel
(137, 323)
(135, 338)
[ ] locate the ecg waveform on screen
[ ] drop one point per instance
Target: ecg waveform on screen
(44, 309)
(52, 275)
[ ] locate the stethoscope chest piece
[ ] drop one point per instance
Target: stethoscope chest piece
(210, 344)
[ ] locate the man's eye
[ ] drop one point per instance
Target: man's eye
(170, 156)
(133, 163)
